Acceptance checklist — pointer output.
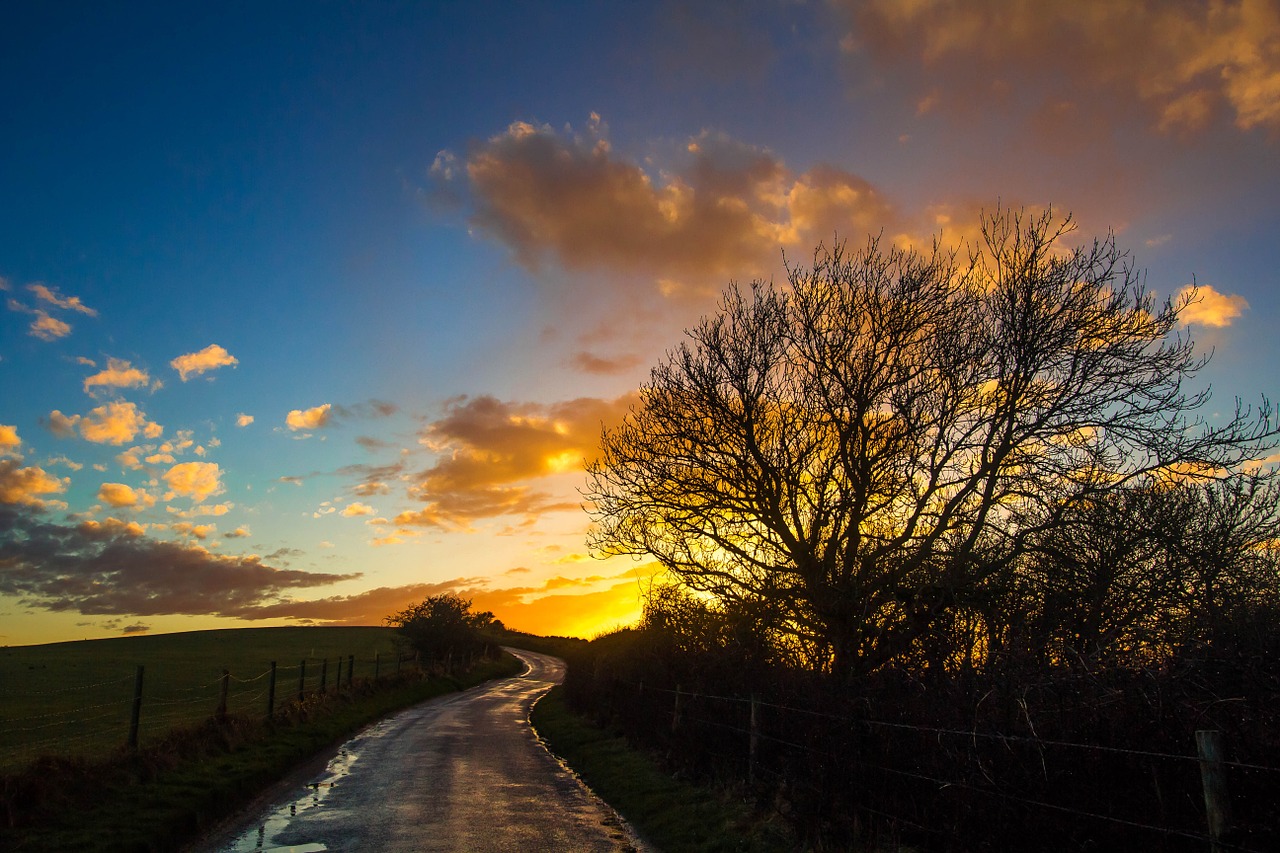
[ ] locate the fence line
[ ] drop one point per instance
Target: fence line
(160, 708)
(690, 708)
(968, 733)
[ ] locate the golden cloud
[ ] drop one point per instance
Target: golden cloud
(48, 328)
(56, 299)
(1211, 308)
(299, 419)
(209, 358)
(196, 480)
(114, 423)
(1185, 62)
(118, 374)
(9, 441)
(357, 508)
(725, 209)
(491, 451)
(121, 495)
(25, 485)
(243, 420)
(199, 531)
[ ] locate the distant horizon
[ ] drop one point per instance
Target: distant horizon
(310, 312)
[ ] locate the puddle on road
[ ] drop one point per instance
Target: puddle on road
(263, 837)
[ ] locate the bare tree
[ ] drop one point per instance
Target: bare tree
(865, 446)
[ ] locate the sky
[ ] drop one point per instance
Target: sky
(312, 310)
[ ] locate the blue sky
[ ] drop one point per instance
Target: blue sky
(469, 229)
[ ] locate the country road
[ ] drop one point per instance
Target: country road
(462, 772)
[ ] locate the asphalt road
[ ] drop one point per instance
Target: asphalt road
(462, 772)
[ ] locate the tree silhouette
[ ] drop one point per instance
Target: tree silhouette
(866, 449)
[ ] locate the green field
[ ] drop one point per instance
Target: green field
(76, 698)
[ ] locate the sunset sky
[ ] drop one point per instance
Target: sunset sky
(311, 310)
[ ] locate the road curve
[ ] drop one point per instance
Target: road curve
(461, 772)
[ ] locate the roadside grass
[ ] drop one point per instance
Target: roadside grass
(74, 699)
(673, 815)
(182, 784)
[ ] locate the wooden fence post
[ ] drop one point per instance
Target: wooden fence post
(337, 682)
(351, 668)
(376, 664)
(271, 693)
(302, 679)
(1213, 777)
(137, 709)
(324, 676)
(675, 712)
(222, 695)
(754, 742)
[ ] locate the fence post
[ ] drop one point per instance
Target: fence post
(351, 668)
(222, 696)
(1213, 778)
(376, 662)
(399, 658)
(754, 742)
(271, 693)
(302, 679)
(675, 712)
(137, 709)
(337, 682)
(324, 675)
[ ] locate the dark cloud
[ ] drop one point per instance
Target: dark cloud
(721, 208)
(588, 362)
(112, 568)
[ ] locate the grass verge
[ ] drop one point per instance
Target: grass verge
(166, 794)
(673, 815)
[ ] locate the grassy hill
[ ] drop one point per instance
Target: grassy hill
(75, 698)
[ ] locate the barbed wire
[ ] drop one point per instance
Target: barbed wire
(11, 695)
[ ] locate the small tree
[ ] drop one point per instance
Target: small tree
(870, 447)
(443, 630)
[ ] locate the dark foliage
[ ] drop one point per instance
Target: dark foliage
(444, 633)
(1051, 758)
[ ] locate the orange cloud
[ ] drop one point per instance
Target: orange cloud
(243, 420)
(209, 358)
(114, 423)
(199, 531)
(196, 480)
(1184, 62)
(9, 441)
(357, 508)
(56, 299)
(1210, 307)
(121, 495)
(118, 374)
(25, 485)
(48, 328)
(315, 418)
(492, 451)
(724, 209)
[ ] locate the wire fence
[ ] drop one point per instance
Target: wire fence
(922, 781)
(94, 719)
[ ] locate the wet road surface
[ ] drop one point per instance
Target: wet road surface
(461, 772)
